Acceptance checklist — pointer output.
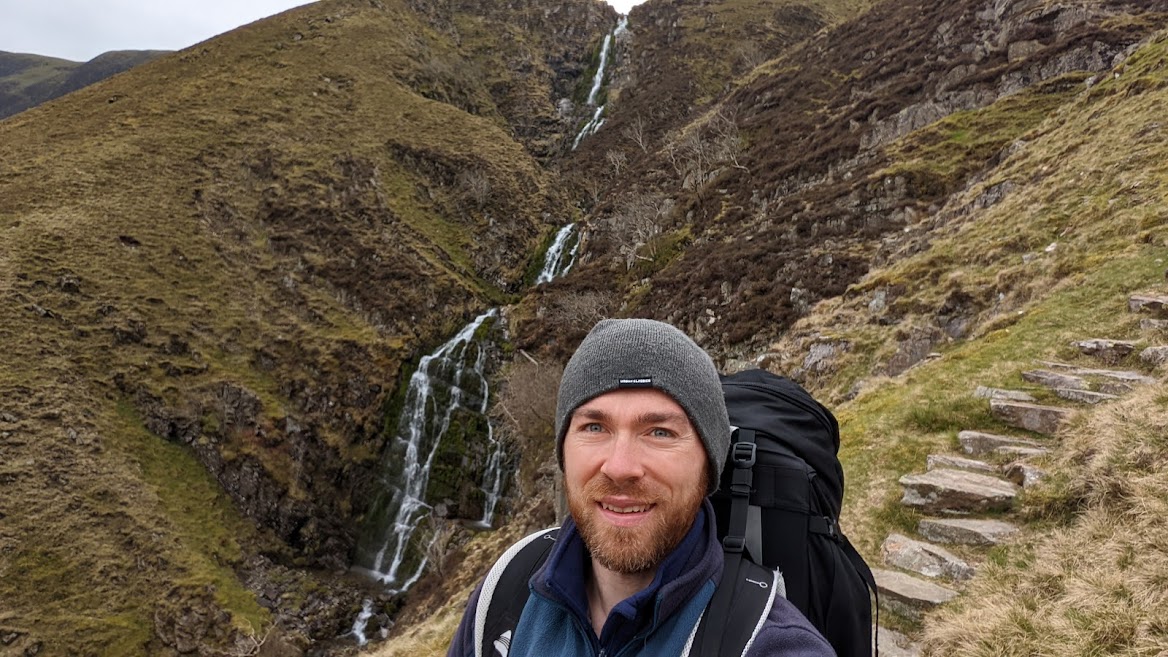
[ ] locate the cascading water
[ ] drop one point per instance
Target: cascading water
(456, 371)
(559, 258)
(460, 364)
(605, 49)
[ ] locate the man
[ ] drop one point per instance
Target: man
(641, 435)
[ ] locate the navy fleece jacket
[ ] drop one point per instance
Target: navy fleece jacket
(656, 620)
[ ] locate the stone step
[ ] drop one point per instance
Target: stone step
(1154, 356)
(979, 442)
(1001, 393)
(957, 491)
(1154, 324)
(1108, 350)
(966, 531)
(1125, 376)
(891, 643)
(1033, 417)
(1055, 380)
(1024, 474)
(1084, 396)
(1154, 304)
(1020, 452)
(954, 462)
(907, 595)
(924, 558)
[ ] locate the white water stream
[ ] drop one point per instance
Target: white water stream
(598, 81)
(557, 263)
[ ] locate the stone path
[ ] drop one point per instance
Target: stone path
(967, 498)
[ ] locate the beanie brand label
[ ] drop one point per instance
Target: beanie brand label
(643, 382)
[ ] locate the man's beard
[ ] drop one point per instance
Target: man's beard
(629, 550)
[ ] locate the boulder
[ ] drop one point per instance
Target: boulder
(1154, 304)
(1154, 356)
(1024, 474)
(957, 491)
(908, 595)
(966, 531)
(1084, 396)
(891, 643)
(1032, 417)
(1000, 393)
(954, 462)
(1055, 380)
(978, 442)
(1107, 350)
(924, 558)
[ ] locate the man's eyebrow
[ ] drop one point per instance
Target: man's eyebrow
(590, 414)
(660, 418)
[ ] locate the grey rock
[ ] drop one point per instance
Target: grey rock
(1017, 451)
(983, 392)
(1055, 380)
(1155, 356)
(979, 442)
(1024, 474)
(912, 350)
(1032, 417)
(1154, 324)
(924, 558)
(908, 595)
(1154, 304)
(894, 644)
(935, 461)
(1109, 350)
(1125, 376)
(966, 531)
(9, 418)
(1116, 388)
(957, 491)
(1084, 396)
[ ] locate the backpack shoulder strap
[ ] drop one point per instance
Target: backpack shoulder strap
(505, 592)
(753, 596)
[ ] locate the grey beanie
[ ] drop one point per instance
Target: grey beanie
(643, 353)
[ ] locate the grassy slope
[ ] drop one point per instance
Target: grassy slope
(243, 198)
(1092, 180)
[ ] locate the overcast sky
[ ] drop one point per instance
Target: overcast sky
(80, 30)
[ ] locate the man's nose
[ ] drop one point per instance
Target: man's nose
(625, 460)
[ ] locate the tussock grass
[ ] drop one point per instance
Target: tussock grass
(1097, 585)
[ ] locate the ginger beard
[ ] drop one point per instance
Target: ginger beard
(629, 550)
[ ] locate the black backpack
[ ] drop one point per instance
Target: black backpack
(779, 503)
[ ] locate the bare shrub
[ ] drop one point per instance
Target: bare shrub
(580, 310)
(527, 400)
(637, 221)
(473, 187)
(696, 152)
(616, 159)
(635, 132)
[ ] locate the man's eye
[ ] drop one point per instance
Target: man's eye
(662, 433)
(592, 427)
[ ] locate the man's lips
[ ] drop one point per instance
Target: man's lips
(624, 512)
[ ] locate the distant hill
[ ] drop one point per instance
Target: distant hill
(29, 80)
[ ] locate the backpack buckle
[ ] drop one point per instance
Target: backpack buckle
(743, 454)
(734, 543)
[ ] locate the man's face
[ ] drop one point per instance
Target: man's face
(635, 472)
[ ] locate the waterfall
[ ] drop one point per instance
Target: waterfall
(593, 125)
(554, 264)
(449, 379)
(358, 630)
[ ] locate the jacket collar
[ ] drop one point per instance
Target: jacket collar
(696, 560)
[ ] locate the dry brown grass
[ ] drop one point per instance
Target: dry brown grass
(1097, 585)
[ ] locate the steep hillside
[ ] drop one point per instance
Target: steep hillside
(217, 268)
(29, 80)
(973, 189)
